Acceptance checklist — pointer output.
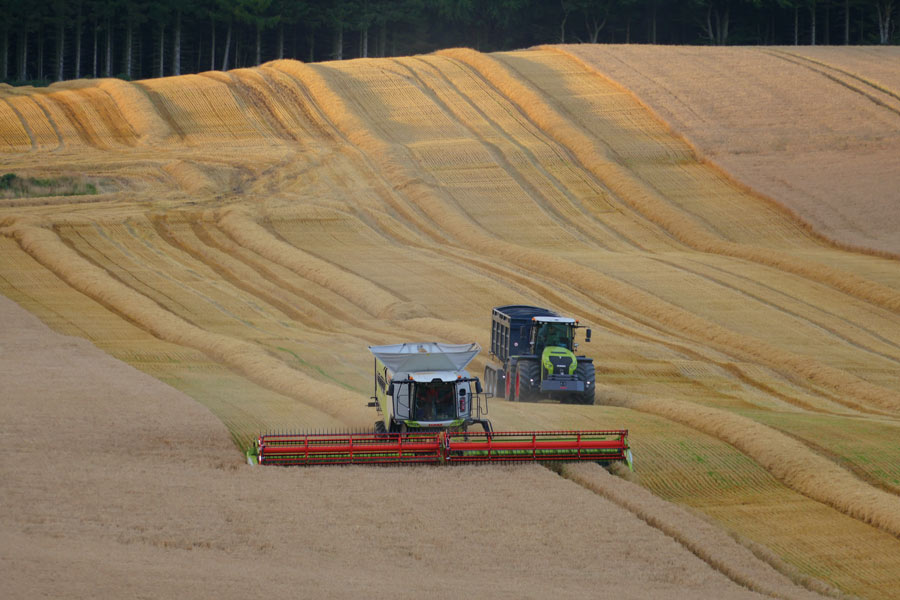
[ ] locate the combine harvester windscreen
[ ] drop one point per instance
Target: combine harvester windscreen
(444, 447)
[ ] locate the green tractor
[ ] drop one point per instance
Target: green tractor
(536, 349)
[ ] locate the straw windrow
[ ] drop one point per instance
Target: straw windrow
(245, 357)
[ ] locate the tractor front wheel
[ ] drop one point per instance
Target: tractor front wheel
(586, 373)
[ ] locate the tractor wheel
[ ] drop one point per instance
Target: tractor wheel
(587, 374)
(528, 381)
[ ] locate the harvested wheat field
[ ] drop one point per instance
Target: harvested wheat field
(252, 231)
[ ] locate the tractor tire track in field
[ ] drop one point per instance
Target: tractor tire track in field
(877, 511)
(869, 90)
(648, 202)
(574, 211)
(320, 208)
(705, 540)
(660, 307)
(821, 324)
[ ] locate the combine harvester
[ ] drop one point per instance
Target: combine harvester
(427, 402)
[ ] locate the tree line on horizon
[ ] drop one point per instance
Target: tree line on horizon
(52, 40)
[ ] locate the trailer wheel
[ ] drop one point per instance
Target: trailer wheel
(587, 374)
(528, 381)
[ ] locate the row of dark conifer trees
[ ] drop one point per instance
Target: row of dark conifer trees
(50, 40)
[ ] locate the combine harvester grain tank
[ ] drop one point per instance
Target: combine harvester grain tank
(432, 411)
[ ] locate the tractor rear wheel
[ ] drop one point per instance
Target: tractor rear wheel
(586, 373)
(528, 381)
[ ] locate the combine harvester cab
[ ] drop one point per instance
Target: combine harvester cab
(427, 402)
(425, 387)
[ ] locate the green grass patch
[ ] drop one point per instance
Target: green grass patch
(13, 186)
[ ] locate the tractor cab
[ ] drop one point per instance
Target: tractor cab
(552, 331)
(553, 341)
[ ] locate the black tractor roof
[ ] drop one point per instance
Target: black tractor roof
(521, 311)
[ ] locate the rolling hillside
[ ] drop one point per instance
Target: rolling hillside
(255, 230)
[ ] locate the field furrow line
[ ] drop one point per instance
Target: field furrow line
(96, 106)
(161, 108)
(649, 203)
(45, 131)
(434, 202)
(431, 201)
(789, 460)
(829, 313)
(322, 103)
(705, 540)
(270, 275)
(137, 109)
(13, 127)
(72, 119)
(535, 182)
(822, 324)
(124, 269)
(246, 358)
(834, 74)
(548, 191)
(596, 309)
(374, 300)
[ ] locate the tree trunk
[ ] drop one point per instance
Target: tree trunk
(562, 26)
(162, 50)
(594, 27)
(129, 44)
(628, 31)
(78, 45)
(826, 31)
(280, 53)
(40, 70)
(812, 25)
(312, 46)
(717, 26)
(212, 47)
(23, 55)
(139, 52)
(364, 42)
(94, 63)
(338, 49)
(107, 69)
(227, 47)
(653, 23)
(381, 43)
(258, 45)
(176, 45)
(884, 9)
(60, 48)
(862, 25)
(846, 22)
(4, 55)
(796, 25)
